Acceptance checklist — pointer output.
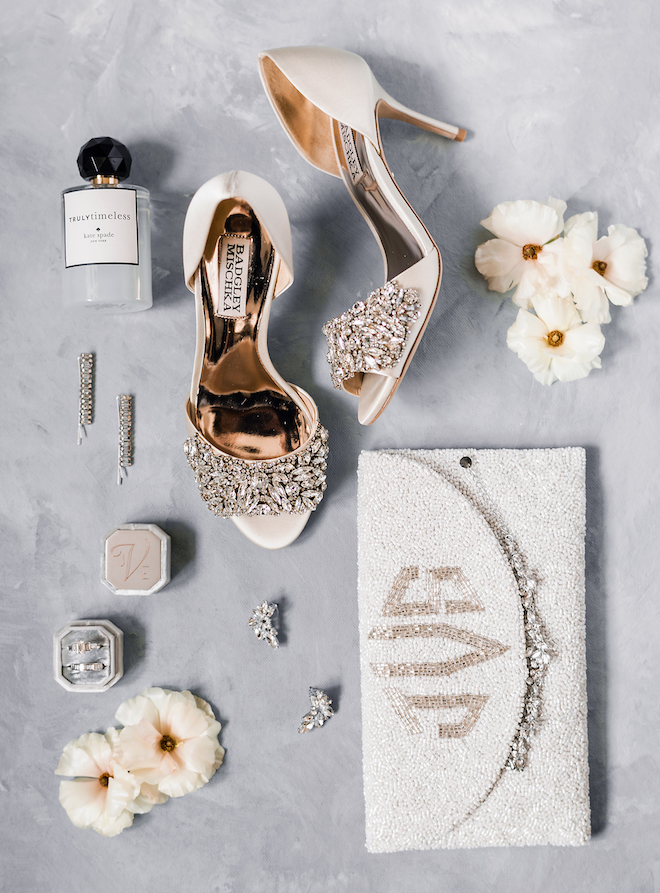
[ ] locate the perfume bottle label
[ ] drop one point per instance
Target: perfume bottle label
(233, 267)
(350, 154)
(100, 227)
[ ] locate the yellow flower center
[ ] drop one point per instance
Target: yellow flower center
(104, 779)
(531, 252)
(555, 338)
(167, 743)
(599, 266)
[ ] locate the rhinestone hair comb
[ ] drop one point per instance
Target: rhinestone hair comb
(125, 449)
(86, 393)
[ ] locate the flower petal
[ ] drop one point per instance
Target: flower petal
(624, 252)
(135, 709)
(198, 754)
(571, 369)
(584, 342)
(535, 360)
(527, 325)
(536, 281)
(180, 783)
(501, 263)
(148, 797)
(582, 230)
(591, 300)
(545, 375)
(559, 206)
(558, 314)
(123, 788)
(617, 295)
(110, 826)
(526, 222)
(551, 262)
(83, 799)
(218, 756)
(186, 721)
(86, 756)
(170, 764)
(139, 746)
(204, 706)
(526, 337)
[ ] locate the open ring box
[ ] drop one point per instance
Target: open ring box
(88, 655)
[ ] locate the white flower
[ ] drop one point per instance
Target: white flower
(103, 794)
(170, 740)
(613, 266)
(527, 251)
(148, 797)
(555, 344)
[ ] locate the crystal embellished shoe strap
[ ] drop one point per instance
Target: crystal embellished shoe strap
(371, 336)
(293, 484)
(537, 652)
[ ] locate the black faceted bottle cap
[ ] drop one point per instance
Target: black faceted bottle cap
(105, 157)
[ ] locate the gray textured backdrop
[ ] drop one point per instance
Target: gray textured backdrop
(558, 98)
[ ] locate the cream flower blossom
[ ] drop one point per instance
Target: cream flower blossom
(170, 740)
(612, 267)
(103, 794)
(555, 344)
(527, 251)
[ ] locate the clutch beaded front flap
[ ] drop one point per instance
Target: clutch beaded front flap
(472, 642)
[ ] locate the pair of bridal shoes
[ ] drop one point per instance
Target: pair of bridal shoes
(255, 442)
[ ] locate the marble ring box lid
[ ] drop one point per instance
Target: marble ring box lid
(135, 559)
(88, 655)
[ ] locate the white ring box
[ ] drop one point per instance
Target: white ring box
(135, 559)
(85, 636)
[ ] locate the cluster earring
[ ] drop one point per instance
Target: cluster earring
(261, 623)
(320, 712)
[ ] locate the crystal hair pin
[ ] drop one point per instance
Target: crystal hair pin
(261, 623)
(86, 393)
(320, 713)
(125, 449)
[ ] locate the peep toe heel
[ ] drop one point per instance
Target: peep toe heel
(255, 442)
(330, 104)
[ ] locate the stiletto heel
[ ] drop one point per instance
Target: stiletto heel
(396, 111)
(329, 103)
(255, 442)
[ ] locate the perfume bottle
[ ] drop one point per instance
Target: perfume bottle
(107, 238)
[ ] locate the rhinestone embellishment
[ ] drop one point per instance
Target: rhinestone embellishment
(537, 656)
(293, 484)
(262, 623)
(319, 714)
(537, 648)
(372, 334)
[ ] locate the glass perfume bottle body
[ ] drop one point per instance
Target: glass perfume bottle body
(107, 246)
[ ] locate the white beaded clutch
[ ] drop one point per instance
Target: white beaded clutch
(472, 645)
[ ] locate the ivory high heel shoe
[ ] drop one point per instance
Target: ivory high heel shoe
(329, 103)
(255, 442)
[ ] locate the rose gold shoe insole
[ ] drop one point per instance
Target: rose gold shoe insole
(240, 407)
